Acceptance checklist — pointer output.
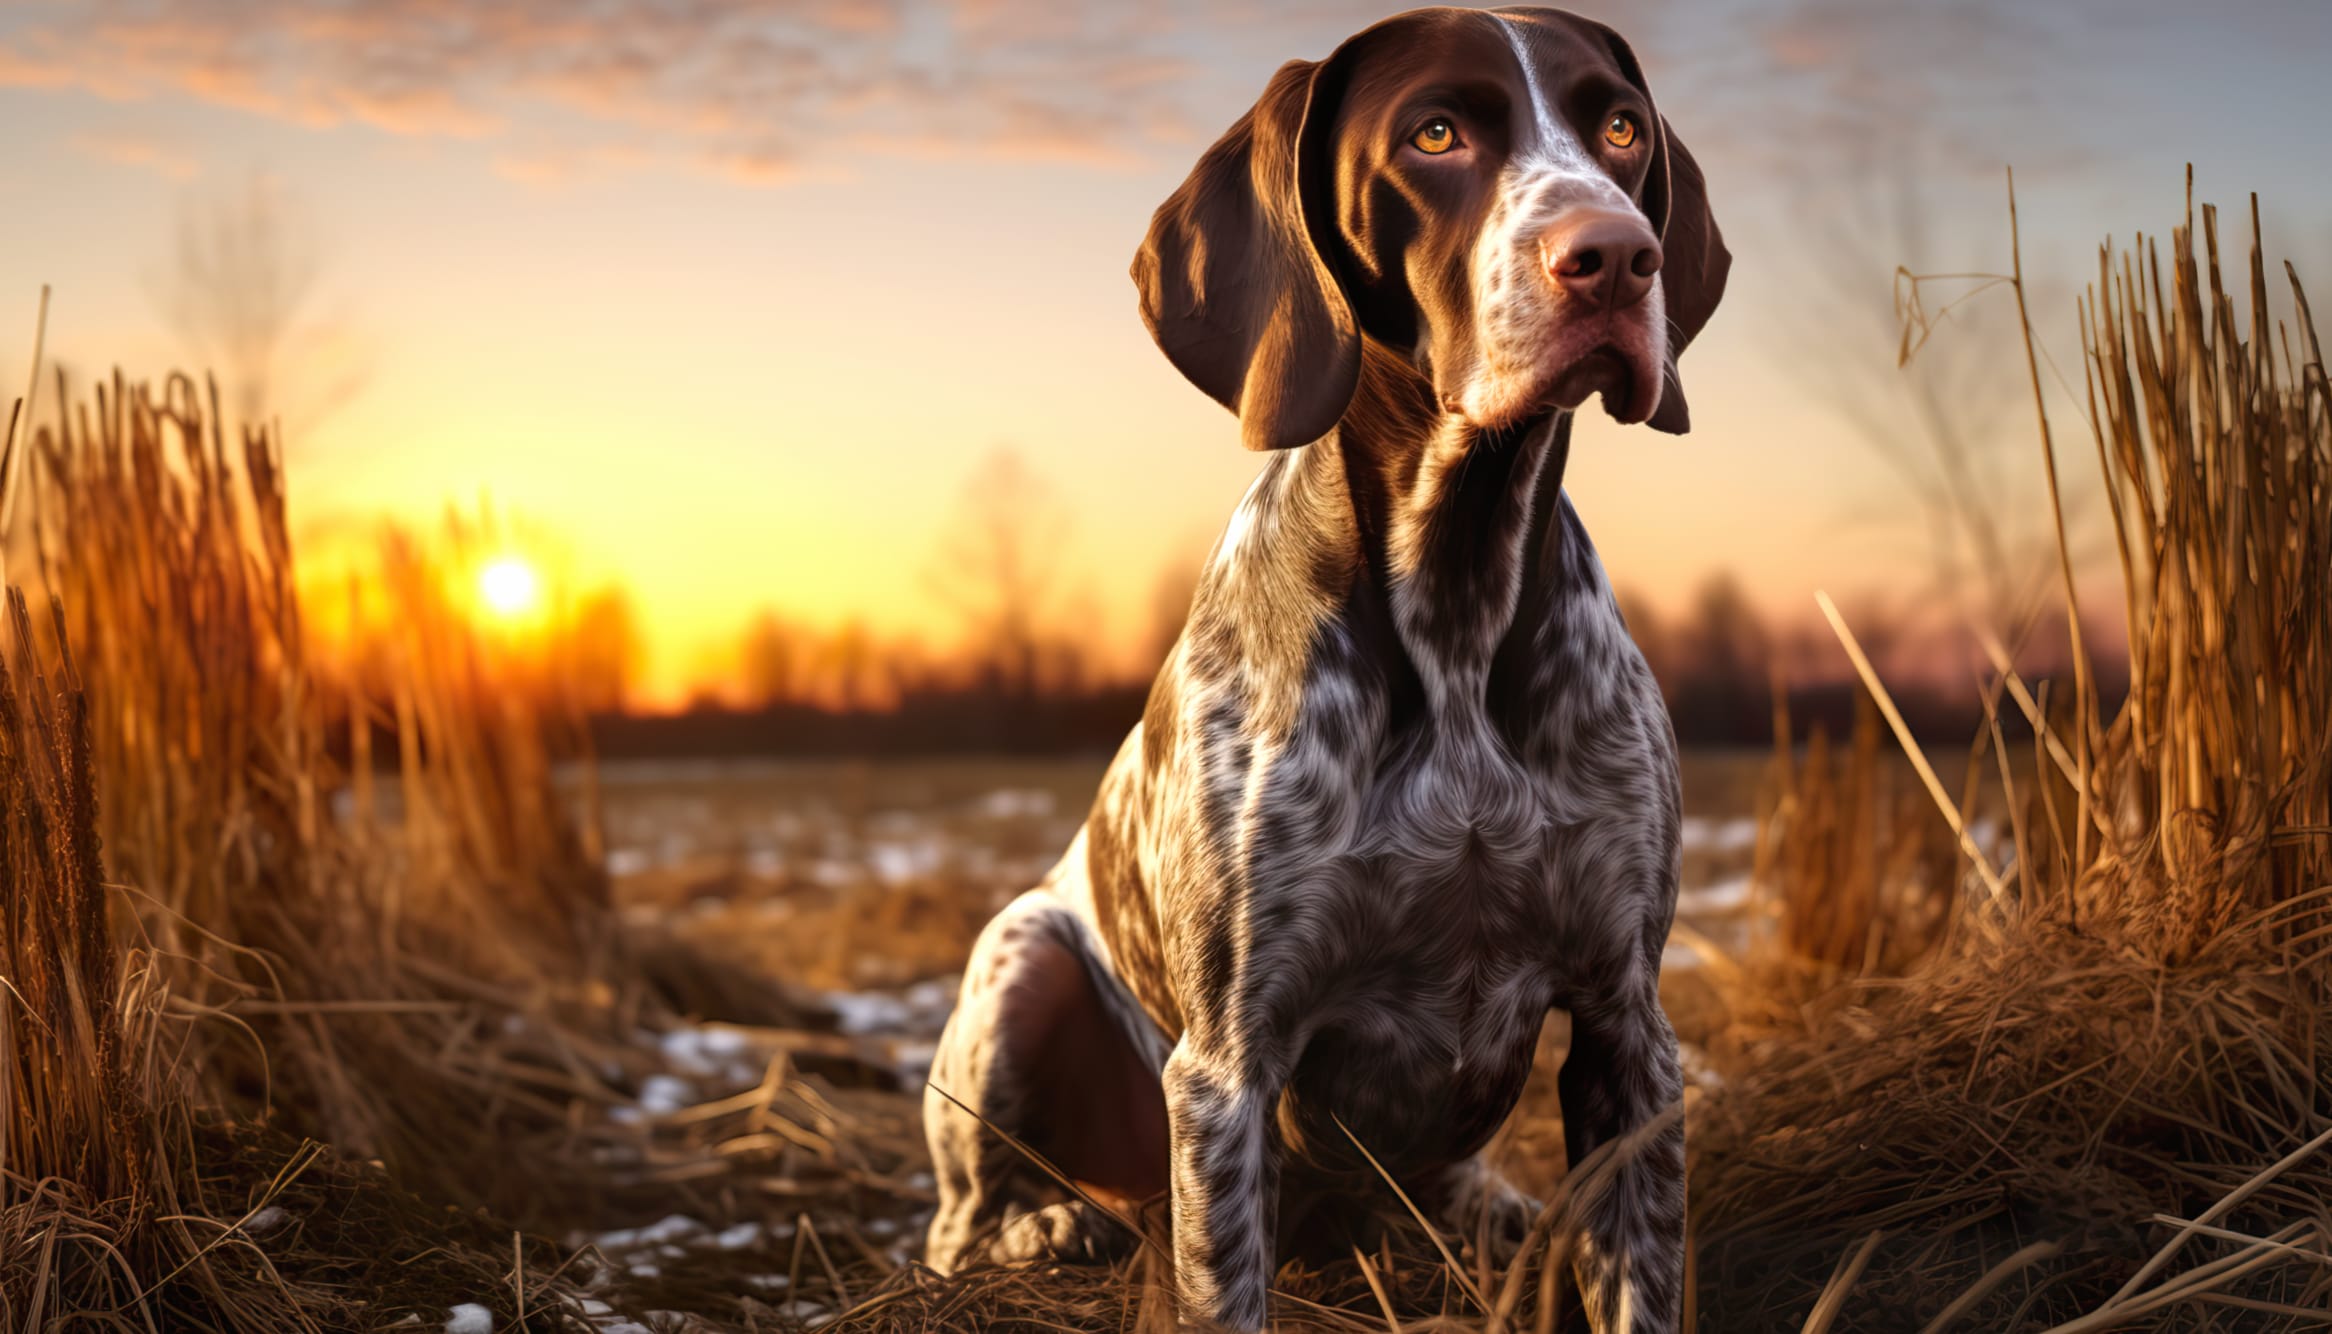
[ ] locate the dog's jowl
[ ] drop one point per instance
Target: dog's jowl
(1405, 784)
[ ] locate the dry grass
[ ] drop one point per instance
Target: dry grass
(274, 957)
(1863, 876)
(2101, 1104)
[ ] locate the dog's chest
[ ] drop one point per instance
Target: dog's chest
(1446, 976)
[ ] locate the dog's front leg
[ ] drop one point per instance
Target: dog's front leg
(1620, 1078)
(1225, 1182)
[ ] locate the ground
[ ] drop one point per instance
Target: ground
(865, 883)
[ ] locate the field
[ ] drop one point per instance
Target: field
(877, 874)
(343, 990)
(863, 883)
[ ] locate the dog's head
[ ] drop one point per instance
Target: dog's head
(1490, 193)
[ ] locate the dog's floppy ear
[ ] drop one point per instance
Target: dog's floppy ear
(1234, 283)
(1694, 259)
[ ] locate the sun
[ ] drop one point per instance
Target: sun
(509, 587)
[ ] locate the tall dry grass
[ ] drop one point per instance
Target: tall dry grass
(2214, 799)
(100, 1222)
(2104, 1101)
(1863, 879)
(251, 957)
(342, 946)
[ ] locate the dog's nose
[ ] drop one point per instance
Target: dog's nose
(1601, 256)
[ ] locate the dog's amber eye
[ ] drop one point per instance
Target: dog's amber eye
(1620, 130)
(1435, 136)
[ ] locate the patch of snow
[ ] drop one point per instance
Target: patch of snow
(267, 1220)
(897, 863)
(1006, 803)
(469, 1318)
(738, 1237)
(709, 1051)
(1703, 833)
(765, 863)
(1727, 895)
(1697, 1070)
(932, 997)
(664, 1231)
(918, 1012)
(912, 1061)
(859, 1013)
(627, 861)
(662, 1095)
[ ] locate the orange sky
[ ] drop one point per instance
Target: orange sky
(730, 299)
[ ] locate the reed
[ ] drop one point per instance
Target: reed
(2102, 1101)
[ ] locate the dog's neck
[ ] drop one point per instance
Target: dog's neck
(1447, 518)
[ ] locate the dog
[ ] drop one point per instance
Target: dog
(1405, 784)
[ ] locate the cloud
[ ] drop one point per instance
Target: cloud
(128, 148)
(770, 91)
(757, 89)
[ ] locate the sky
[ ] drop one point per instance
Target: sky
(731, 300)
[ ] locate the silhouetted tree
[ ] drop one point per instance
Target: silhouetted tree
(852, 667)
(1170, 607)
(1651, 636)
(240, 287)
(998, 566)
(1722, 690)
(1938, 410)
(603, 650)
(773, 662)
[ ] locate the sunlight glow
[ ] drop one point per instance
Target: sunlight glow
(509, 587)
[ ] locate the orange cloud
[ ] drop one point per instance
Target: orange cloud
(129, 149)
(729, 87)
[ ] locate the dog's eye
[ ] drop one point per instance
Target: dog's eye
(1620, 130)
(1436, 136)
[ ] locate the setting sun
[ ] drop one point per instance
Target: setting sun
(509, 587)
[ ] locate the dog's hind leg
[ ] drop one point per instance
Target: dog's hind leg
(1039, 1049)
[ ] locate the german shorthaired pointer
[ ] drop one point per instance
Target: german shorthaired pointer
(1405, 784)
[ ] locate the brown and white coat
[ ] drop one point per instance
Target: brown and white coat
(1405, 784)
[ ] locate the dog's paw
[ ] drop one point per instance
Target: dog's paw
(1480, 1205)
(1071, 1230)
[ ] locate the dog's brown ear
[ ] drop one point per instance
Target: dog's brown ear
(1235, 285)
(1693, 267)
(1694, 259)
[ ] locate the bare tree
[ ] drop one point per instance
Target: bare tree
(852, 665)
(603, 649)
(1940, 419)
(1170, 599)
(1651, 635)
(241, 287)
(998, 566)
(1722, 688)
(775, 661)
